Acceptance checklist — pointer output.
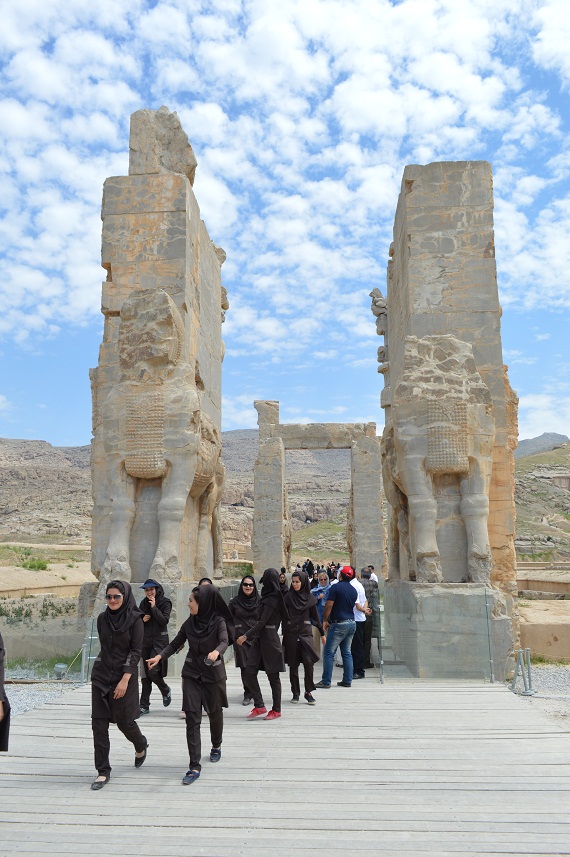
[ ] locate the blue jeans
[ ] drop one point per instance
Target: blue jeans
(338, 634)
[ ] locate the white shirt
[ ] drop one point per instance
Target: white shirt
(373, 577)
(360, 599)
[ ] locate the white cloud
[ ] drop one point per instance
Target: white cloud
(543, 412)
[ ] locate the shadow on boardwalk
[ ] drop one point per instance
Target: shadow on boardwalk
(404, 768)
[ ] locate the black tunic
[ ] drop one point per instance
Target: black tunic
(266, 652)
(155, 635)
(120, 653)
(244, 621)
(5, 722)
(202, 685)
(298, 629)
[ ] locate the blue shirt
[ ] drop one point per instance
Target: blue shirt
(344, 596)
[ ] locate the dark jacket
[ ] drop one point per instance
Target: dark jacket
(299, 629)
(266, 652)
(244, 620)
(198, 647)
(120, 653)
(5, 722)
(155, 634)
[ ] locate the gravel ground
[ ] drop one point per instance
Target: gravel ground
(23, 697)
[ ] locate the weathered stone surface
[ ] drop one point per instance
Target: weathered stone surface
(271, 523)
(158, 144)
(450, 425)
(156, 452)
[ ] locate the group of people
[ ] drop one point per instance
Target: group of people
(251, 622)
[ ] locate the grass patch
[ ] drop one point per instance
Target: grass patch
(34, 564)
(237, 568)
(41, 668)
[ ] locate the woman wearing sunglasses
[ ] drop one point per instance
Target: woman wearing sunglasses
(208, 632)
(114, 678)
(244, 607)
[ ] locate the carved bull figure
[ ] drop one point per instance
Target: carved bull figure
(154, 429)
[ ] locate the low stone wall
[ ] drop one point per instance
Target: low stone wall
(40, 627)
(545, 629)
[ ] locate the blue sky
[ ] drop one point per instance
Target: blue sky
(302, 116)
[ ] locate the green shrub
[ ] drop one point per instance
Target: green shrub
(35, 564)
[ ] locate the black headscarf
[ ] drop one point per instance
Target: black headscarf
(211, 608)
(121, 620)
(271, 593)
(248, 602)
(283, 585)
(159, 599)
(303, 598)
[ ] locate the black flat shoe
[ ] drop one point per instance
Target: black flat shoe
(342, 684)
(98, 784)
(167, 698)
(143, 711)
(215, 755)
(139, 760)
(190, 777)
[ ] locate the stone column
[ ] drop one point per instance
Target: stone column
(269, 514)
(366, 530)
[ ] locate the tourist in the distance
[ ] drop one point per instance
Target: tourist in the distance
(297, 635)
(208, 631)
(114, 677)
(244, 608)
(4, 705)
(156, 609)
(340, 626)
(266, 652)
(314, 579)
(284, 586)
(320, 592)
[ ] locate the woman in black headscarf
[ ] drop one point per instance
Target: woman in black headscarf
(244, 608)
(298, 636)
(266, 652)
(4, 705)
(156, 609)
(283, 585)
(114, 677)
(208, 632)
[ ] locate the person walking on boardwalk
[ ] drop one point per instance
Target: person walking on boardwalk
(244, 608)
(298, 637)
(4, 705)
(339, 608)
(156, 609)
(266, 652)
(208, 632)
(114, 677)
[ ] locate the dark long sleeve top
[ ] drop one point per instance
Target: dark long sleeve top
(198, 647)
(120, 653)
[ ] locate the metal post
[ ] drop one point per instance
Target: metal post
(489, 639)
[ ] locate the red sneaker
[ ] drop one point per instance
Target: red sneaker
(273, 715)
(256, 712)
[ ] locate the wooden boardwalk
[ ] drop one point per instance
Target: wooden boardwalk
(402, 769)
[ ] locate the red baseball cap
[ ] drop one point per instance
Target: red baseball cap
(347, 571)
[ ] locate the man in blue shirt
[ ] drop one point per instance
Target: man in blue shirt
(338, 622)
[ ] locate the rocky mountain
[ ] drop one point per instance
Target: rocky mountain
(46, 492)
(544, 443)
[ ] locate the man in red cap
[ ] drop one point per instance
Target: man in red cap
(338, 622)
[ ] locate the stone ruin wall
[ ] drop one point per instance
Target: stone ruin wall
(442, 281)
(156, 392)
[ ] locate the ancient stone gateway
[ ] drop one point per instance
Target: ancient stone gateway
(156, 449)
(451, 427)
(271, 539)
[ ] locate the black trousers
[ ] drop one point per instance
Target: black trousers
(247, 694)
(253, 684)
(147, 684)
(102, 745)
(193, 723)
(357, 648)
(368, 639)
(308, 667)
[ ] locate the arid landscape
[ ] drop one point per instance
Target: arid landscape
(46, 494)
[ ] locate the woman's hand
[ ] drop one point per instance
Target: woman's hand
(241, 640)
(1, 711)
(146, 617)
(321, 596)
(323, 639)
(121, 688)
(213, 656)
(152, 662)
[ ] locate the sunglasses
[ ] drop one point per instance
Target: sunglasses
(113, 597)
(247, 585)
